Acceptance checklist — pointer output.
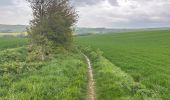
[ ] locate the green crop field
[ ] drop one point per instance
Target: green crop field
(12, 42)
(145, 56)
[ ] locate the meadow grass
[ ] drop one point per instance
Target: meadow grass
(62, 77)
(143, 55)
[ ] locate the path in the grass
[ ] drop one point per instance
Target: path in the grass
(91, 83)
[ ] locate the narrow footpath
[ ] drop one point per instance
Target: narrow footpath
(91, 82)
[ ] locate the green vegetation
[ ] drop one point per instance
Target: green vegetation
(113, 83)
(12, 42)
(51, 26)
(63, 76)
(142, 55)
(49, 68)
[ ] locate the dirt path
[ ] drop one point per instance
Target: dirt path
(91, 83)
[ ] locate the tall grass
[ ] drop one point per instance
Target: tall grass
(59, 79)
(63, 77)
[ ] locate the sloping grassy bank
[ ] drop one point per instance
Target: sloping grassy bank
(62, 78)
(114, 84)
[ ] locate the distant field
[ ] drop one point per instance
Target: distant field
(13, 34)
(12, 42)
(143, 55)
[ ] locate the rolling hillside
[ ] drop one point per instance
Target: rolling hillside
(78, 30)
(87, 31)
(12, 28)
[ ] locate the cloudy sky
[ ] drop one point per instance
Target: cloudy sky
(99, 13)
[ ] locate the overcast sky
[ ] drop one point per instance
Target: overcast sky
(99, 13)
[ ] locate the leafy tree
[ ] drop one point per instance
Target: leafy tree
(51, 24)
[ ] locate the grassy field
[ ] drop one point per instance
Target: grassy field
(12, 42)
(13, 34)
(145, 56)
(135, 66)
(63, 77)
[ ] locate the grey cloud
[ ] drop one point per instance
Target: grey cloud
(14, 12)
(85, 2)
(79, 3)
(6, 2)
(129, 13)
(98, 13)
(113, 2)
